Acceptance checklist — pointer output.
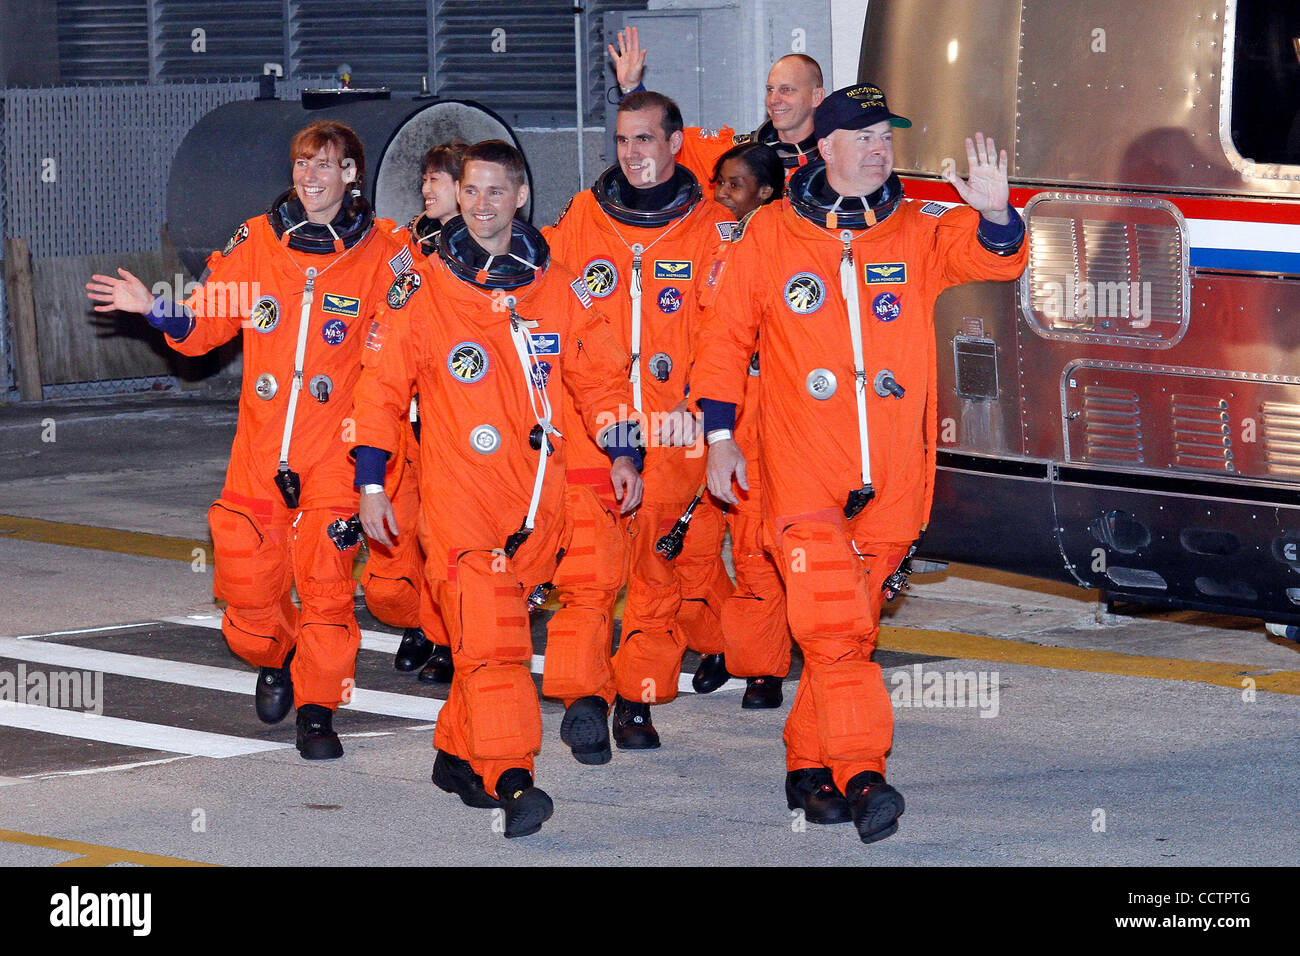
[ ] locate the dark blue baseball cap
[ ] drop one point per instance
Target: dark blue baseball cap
(854, 107)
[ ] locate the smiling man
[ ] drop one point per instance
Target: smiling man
(837, 286)
(792, 93)
(640, 238)
(490, 331)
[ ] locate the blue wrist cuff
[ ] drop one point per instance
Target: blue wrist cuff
(371, 464)
(717, 414)
(623, 439)
(1004, 240)
(170, 318)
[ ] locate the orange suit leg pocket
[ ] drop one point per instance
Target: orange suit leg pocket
(252, 566)
(504, 718)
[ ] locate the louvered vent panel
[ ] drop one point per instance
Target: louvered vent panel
(1112, 425)
(1106, 272)
(1280, 426)
(1201, 433)
(103, 42)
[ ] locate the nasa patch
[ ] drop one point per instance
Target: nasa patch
(402, 289)
(673, 269)
(886, 307)
(240, 235)
(600, 277)
(467, 362)
(334, 332)
(805, 292)
(265, 314)
(546, 343)
(341, 305)
(892, 272)
(542, 374)
(934, 209)
(670, 299)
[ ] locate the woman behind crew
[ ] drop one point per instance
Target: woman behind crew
(748, 176)
(754, 629)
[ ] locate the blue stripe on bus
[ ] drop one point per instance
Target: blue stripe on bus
(1245, 260)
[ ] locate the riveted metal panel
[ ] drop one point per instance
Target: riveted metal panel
(1178, 419)
(950, 66)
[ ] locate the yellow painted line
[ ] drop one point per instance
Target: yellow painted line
(93, 854)
(999, 650)
(103, 539)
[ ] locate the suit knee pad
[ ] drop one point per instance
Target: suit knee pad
(504, 718)
(395, 601)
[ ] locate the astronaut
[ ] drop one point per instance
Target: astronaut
(513, 329)
(839, 284)
(302, 282)
(393, 581)
(756, 635)
(793, 91)
(640, 238)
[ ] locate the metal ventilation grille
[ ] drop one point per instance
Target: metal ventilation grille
(1051, 256)
(386, 45)
(1280, 429)
(1201, 432)
(239, 38)
(1112, 425)
(101, 41)
(1106, 270)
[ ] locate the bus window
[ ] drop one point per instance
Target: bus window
(1266, 81)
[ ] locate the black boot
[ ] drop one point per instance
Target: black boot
(711, 674)
(813, 791)
(527, 807)
(454, 775)
(633, 729)
(413, 651)
(316, 737)
(761, 693)
(274, 695)
(585, 729)
(876, 806)
(439, 669)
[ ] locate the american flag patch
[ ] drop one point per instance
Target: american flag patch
(581, 291)
(935, 208)
(402, 261)
(725, 229)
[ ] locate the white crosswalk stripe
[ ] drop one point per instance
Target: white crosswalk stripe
(131, 733)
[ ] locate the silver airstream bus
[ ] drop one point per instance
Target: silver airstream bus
(1127, 416)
